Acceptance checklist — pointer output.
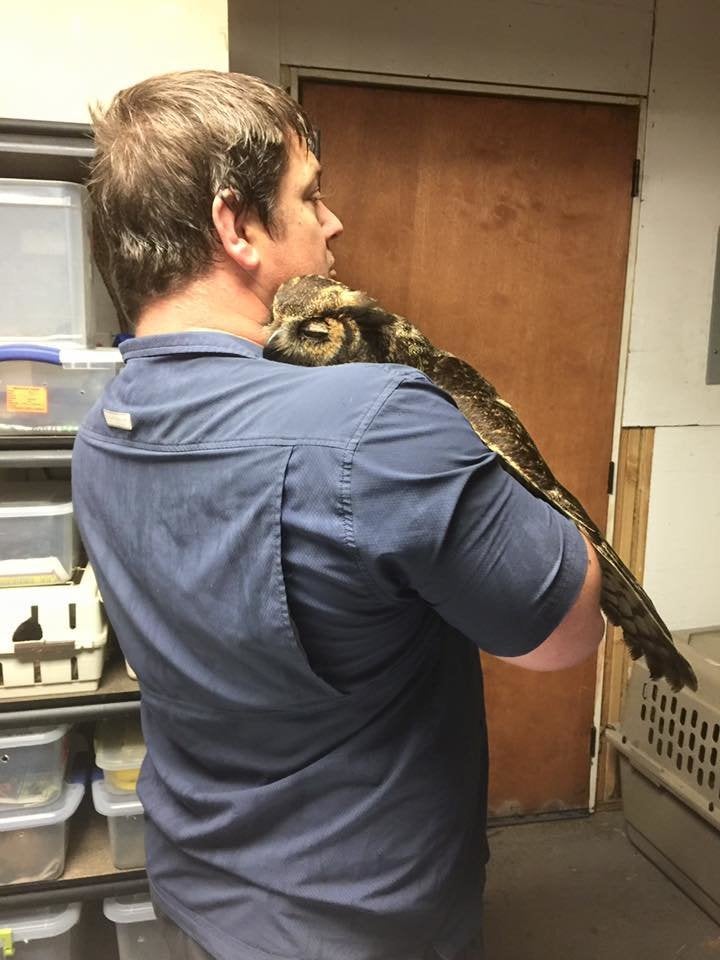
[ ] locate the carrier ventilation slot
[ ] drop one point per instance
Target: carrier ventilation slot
(676, 729)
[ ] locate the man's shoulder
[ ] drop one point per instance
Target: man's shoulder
(339, 400)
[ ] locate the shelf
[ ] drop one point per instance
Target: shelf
(117, 693)
(39, 150)
(35, 458)
(89, 870)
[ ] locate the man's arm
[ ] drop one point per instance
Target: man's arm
(578, 634)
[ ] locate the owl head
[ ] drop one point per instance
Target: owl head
(320, 322)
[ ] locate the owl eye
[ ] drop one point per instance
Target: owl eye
(315, 330)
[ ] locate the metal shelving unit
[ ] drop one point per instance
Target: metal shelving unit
(43, 150)
(40, 150)
(35, 458)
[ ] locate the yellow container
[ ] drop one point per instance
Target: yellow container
(119, 752)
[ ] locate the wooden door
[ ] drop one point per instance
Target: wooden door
(500, 225)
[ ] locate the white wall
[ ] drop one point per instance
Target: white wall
(682, 566)
(573, 44)
(57, 57)
(568, 44)
(666, 49)
(680, 215)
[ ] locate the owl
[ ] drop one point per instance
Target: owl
(318, 322)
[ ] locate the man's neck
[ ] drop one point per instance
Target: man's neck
(215, 302)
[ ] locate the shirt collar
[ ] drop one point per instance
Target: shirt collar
(195, 341)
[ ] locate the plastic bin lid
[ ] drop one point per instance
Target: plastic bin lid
(47, 816)
(38, 923)
(134, 909)
(31, 736)
(47, 498)
(119, 743)
(110, 805)
(41, 192)
(90, 358)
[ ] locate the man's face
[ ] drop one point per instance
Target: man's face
(304, 226)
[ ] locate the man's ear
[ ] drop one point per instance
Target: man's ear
(230, 227)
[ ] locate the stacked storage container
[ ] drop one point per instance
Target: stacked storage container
(139, 934)
(54, 311)
(36, 803)
(119, 753)
(39, 933)
(56, 321)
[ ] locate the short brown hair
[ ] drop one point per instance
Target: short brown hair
(165, 148)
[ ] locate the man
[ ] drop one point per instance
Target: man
(300, 564)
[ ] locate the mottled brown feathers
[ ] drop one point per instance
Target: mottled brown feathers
(320, 322)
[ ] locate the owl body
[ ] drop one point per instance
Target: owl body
(320, 322)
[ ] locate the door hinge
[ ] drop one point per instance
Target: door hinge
(636, 178)
(593, 742)
(611, 477)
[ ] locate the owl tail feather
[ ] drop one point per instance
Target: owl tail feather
(628, 606)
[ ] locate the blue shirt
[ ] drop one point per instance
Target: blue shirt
(300, 565)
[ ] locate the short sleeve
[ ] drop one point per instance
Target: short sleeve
(435, 517)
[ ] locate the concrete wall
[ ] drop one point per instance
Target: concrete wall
(662, 50)
(56, 58)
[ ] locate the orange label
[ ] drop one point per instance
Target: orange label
(27, 399)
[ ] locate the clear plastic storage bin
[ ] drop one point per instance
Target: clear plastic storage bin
(139, 935)
(126, 825)
(38, 539)
(119, 752)
(39, 933)
(33, 842)
(50, 289)
(52, 639)
(32, 765)
(47, 392)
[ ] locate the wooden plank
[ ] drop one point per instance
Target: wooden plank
(631, 515)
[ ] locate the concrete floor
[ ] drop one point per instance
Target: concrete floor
(579, 890)
(568, 890)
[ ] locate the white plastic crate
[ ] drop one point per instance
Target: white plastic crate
(50, 289)
(33, 842)
(139, 934)
(50, 397)
(39, 933)
(38, 539)
(670, 750)
(32, 765)
(126, 825)
(119, 752)
(52, 638)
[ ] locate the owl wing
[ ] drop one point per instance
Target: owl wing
(622, 598)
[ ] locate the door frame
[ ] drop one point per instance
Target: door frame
(291, 77)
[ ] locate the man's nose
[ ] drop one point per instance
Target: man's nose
(333, 224)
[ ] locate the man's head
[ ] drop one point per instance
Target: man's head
(201, 168)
